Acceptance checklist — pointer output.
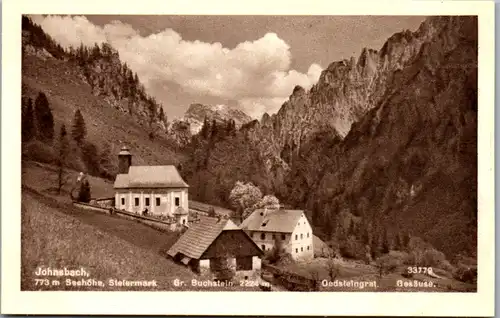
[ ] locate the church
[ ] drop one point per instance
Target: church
(150, 190)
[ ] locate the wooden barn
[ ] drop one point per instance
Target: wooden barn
(216, 245)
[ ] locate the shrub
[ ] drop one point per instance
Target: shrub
(278, 256)
(352, 248)
(465, 274)
(429, 257)
(223, 269)
(387, 264)
(432, 257)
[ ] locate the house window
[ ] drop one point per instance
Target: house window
(157, 201)
(301, 236)
(244, 263)
(273, 236)
(123, 201)
(263, 247)
(308, 247)
(146, 201)
(296, 237)
(301, 249)
(283, 236)
(184, 222)
(263, 236)
(136, 201)
(307, 234)
(296, 250)
(177, 201)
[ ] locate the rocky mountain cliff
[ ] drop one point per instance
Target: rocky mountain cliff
(181, 130)
(197, 113)
(114, 106)
(101, 68)
(346, 90)
(389, 139)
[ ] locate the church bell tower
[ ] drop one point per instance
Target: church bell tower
(124, 160)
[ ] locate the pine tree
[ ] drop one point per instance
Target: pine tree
(233, 127)
(161, 115)
(79, 130)
(28, 121)
(205, 129)
(96, 52)
(406, 240)
(61, 159)
(215, 130)
(366, 234)
(84, 194)
(385, 242)
(352, 228)
(398, 242)
(375, 246)
(44, 118)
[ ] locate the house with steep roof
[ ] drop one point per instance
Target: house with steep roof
(214, 243)
(152, 190)
(288, 230)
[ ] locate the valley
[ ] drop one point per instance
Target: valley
(380, 153)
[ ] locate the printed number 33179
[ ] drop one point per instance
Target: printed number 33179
(419, 270)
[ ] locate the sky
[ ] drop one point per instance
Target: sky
(249, 62)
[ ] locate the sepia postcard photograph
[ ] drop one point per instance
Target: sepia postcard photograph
(163, 158)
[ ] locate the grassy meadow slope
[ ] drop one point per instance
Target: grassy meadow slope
(67, 91)
(57, 235)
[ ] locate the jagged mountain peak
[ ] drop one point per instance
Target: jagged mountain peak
(196, 114)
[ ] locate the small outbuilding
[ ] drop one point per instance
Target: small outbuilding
(216, 245)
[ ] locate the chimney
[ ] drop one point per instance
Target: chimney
(263, 212)
(124, 160)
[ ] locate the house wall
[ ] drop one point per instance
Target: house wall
(204, 263)
(301, 243)
(166, 198)
(268, 240)
(256, 263)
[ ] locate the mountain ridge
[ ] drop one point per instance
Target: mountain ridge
(410, 145)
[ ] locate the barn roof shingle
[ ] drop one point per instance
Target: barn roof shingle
(150, 177)
(195, 241)
(283, 221)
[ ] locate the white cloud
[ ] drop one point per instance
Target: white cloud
(255, 73)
